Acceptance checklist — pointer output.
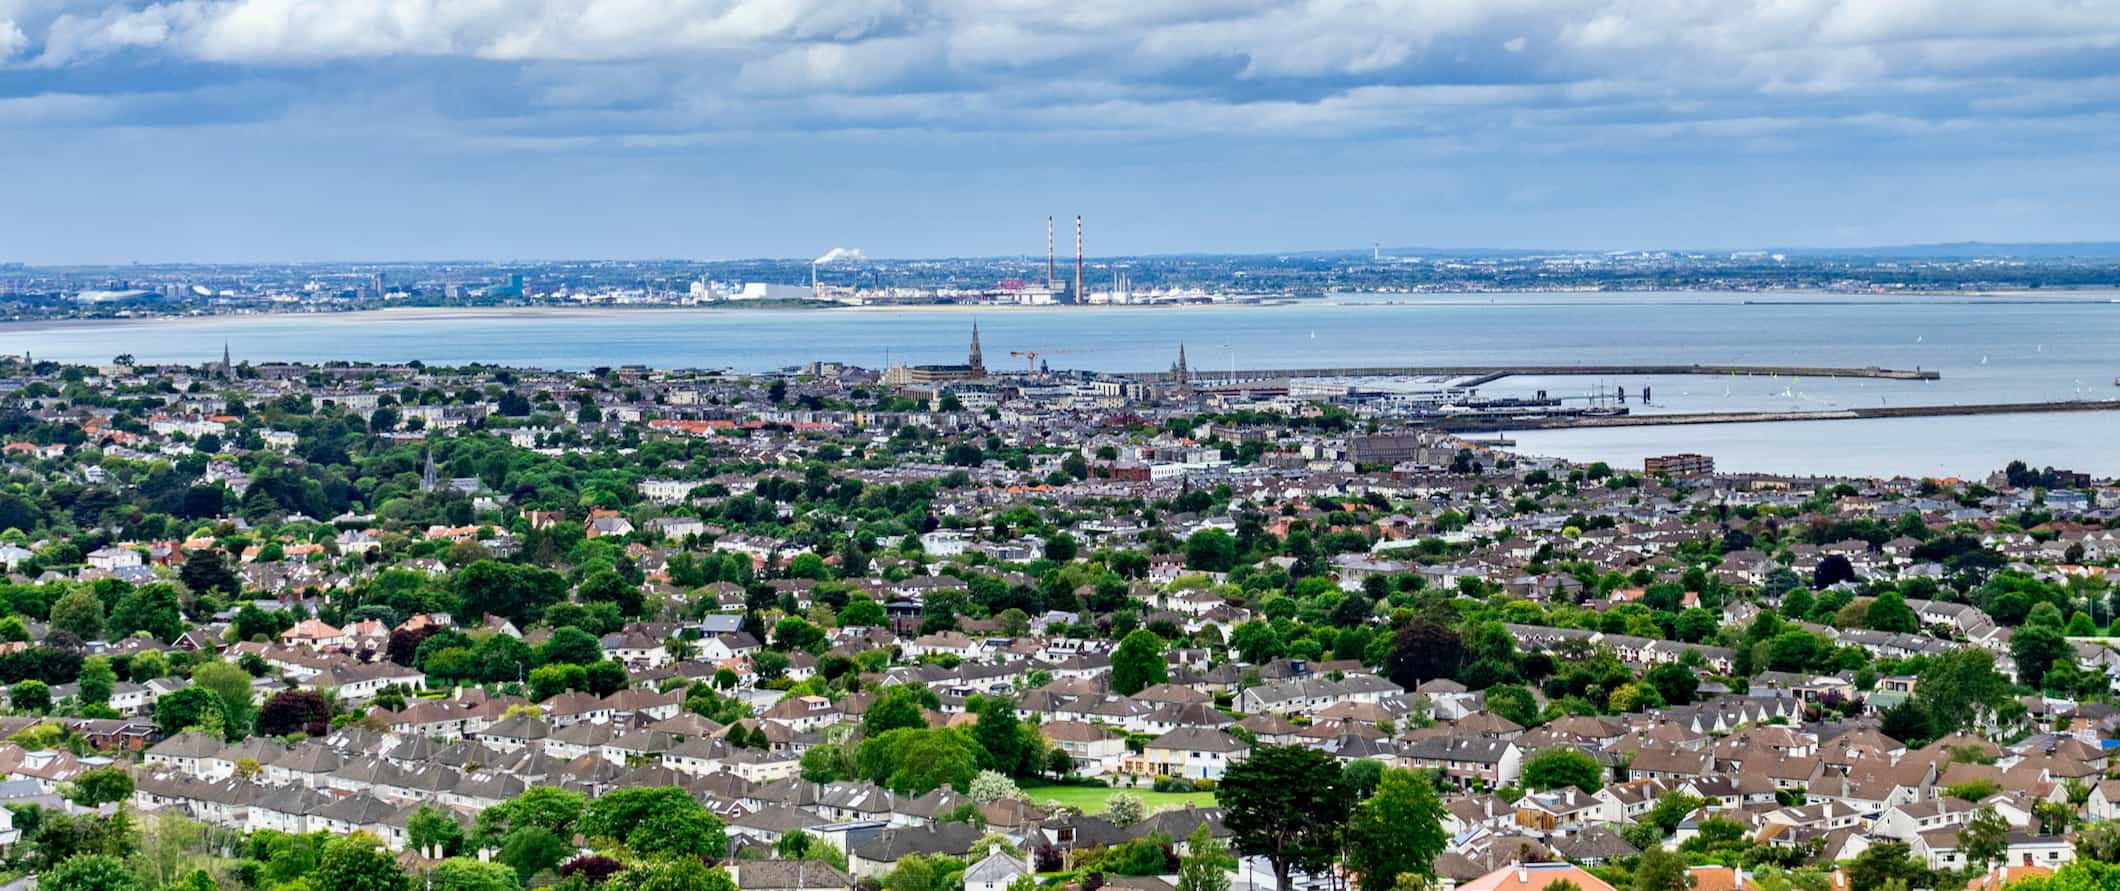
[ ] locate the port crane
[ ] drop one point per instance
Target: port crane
(1030, 357)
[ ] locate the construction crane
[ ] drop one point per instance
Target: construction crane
(1030, 357)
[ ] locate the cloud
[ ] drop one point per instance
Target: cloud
(1539, 75)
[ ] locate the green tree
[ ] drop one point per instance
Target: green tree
(1985, 838)
(90, 872)
(182, 710)
(1959, 688)
(1889, 612)
(102, 785)
(151, 608)
(1001, 736)
(898, 706)
(30, 696)
(1884, 863)
(429, 830)
(1207, 862)
(654, 821)
(1211, 550)
(2036, 647)
(1286, 804)
(97, 680)
(673, 874)
(570, 646)
(80, 612)
(1397, 832)
(462, 874)
(533, 849)
(555, 810)
(1661, 869)
(232, 684)
(1555, 768)
(861, 612)
(1138, 663)
(356, 863)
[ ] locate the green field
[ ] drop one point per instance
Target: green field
(1091, 798)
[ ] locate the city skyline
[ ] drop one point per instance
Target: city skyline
(270, 130)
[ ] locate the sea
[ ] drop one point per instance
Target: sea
(1987, 349)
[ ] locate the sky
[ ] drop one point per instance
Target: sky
(276, 130)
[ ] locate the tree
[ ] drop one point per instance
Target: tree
(1889, 612)
(861, 612)
(1555, 768)
(825, 764)
(1206, 864)
(429, 830)
(1286, 804)
(1886, 862)
(1674, 682)
(1211, 550)
(97, 679)
(917, 760)
(1513, 701)
(2035, 647)
(293, 711)
(461, 874)
(898, 706)
(1660, 869)
(1959, 687)
(1831, 571)
(673, 874)
(102, 785)
(533, 849)
(655, 821)
(1138, 663)
(1985, 838)
(194, 706)
(1671, 809)
(1001, 735)
(1397, 832)
(556, 810)
(1423, 650)
(356, 863)
(79, 612)
(90, 872)
(570, 646)
(207, 571)
(1124, 809)
(990, 786)
(1255, 642)
(232, 684)
(31, 696)
(151, 608)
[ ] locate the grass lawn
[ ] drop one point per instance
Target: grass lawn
(1091, 798)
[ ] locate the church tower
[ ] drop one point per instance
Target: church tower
(1180, 375)
(977, 362)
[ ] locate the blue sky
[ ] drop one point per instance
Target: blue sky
(242, 130)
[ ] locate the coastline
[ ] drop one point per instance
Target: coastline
(1355, 299)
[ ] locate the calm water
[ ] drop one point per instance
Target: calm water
(1987, 351)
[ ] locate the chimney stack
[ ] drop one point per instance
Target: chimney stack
(1052, 282)
(1079, 297)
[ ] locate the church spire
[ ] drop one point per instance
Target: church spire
(1180, 375)
(430, 476)
(977, 361)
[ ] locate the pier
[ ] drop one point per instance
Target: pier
(1477, 375)
(1491, 423)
